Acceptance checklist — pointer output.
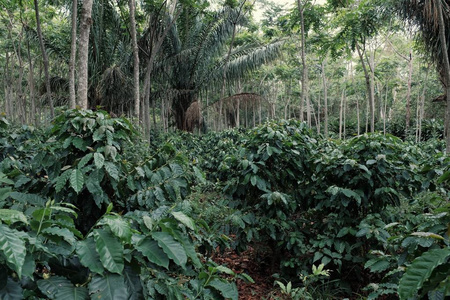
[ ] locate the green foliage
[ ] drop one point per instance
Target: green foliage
(146, 251)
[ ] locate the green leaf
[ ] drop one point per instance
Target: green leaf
(187, 221)
(64, 233)
(109, 287)
(11, 291)
(89, 257)
(110, 251)
(10, 216)
(84, 160)
(371, 162)
(28, 199)
(150, 249)
(13, 248)
(4, 193)
(99, 160)
(51, 286)
(72, 293)
(112, 170)
(420, 270)
(199, 175)
(378, 264)
(76, 180)
(79, 143)
(223, 269)
(172, 248)
(118, 226)
(62, 179)
(227, 289)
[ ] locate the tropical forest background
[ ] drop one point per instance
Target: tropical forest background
(237, 149)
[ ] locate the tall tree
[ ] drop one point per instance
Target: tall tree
(132, 6)
(44, 58)
(304, 82)
(73, 55)
(83, 53)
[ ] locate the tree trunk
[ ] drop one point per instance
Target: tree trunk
(408, 94)
(369, 87)
(33, 113)
(447, 71)
(341, 111)
(325, 99)
(44, 58)
(83, 51)
(304, 64)
(132, 6)
(73, 56)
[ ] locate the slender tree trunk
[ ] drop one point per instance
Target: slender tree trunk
(408, 94)
(73, 56)
(341, 111)
(358, 117)
(33, 113)
(369, 87)
(44, 58)
(304, 63)
(325, 99)
(83, 51)
(132, 6)
(447, 71)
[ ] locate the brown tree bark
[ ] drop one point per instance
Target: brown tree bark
(132, 6)
(446, 69)
(73, 56)
(44, 58)
(83, 53)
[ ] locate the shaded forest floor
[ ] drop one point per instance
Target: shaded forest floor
(249, 262)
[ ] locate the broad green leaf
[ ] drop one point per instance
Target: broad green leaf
(110, 250)
(84, 160)
(89, 257)
(150, 249)
(62, 179)
(52, 285)
(112, 170)
(79, 143)
(4, 179)
(378, 264)
(227, 289)
(10, 216)
(200, 175)
(133, 283)
(109, 287)
(187, 221)
(4, 193)
(190, 249)
(13, 248)
(99, 160)
(72, 293)
(225, 270)
(172, 248)
(428, 234)
(420, 270)
(29, 199)
(118, 226)
(64, 233)
(76, 180)
(11, 291)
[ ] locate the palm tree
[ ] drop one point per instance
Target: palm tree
(195, 56)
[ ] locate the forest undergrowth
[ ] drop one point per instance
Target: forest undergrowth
(89, 209)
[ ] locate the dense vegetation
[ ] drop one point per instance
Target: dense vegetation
(88, 209)
(321, 150)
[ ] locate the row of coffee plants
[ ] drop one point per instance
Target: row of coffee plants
(87, 211)
(364, 208)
